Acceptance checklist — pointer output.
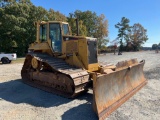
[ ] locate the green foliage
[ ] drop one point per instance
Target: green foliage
(154, 46)
(123, 28)
(17, 27)
(131, 37)
(55, 15)
(72, 23)
(101, 29)
(88, 18)
(137, 36)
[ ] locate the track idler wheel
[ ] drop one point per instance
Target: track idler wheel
(36, 64)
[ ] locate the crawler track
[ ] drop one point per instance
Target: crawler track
(54, 75)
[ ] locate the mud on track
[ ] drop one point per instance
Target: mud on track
(22, 102)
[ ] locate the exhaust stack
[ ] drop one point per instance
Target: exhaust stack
(77, 26)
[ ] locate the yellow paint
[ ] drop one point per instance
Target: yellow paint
(74, 48)
(93, 67)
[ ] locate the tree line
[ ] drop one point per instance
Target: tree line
(17, 28)
(156, 46)
(130, 37)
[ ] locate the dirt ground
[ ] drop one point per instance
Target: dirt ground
(19, 101)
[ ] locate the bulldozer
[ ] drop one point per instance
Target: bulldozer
(67, 65)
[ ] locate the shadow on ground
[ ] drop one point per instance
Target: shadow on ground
(17, 92)
(81, 112)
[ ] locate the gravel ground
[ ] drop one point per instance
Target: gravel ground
(22, 102)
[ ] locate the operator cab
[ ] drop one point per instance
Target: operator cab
(55, 33)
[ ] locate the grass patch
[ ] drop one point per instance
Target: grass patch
(18, 60)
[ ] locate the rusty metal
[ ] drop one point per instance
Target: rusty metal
(113, 89)
(54, 75)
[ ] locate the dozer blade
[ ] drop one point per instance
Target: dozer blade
(113, 89)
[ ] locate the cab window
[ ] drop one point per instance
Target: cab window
(65, 29)
(43, 32)
(55, 36)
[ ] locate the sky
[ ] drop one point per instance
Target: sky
(145, 12)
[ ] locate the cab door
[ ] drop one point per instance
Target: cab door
(55, 37)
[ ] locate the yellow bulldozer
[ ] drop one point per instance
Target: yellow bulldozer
(68, 65)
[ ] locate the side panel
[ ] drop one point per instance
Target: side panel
(92, 54)
(67, 40)
(76, 46)
(71, 46)
(83, 52)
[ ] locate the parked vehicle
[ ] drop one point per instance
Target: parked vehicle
(7, 58)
